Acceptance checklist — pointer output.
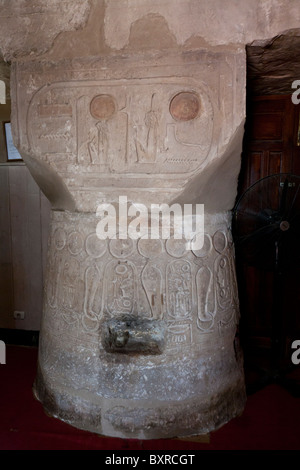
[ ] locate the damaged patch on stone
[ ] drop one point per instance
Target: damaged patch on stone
(131, 335)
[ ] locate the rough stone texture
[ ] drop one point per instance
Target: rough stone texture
(29, 27)
(145, 100)
(215, 22)
(34, 27)
(131, 335)
(273, 65)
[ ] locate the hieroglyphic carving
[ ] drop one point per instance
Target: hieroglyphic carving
(62, 135)
(220, 241)
(179, 289)
(176, 247)
(185, 106)
(147, 152)
(223, 282)
(235, 296)
(152, 283)
(206, 248)
(70, 290)
(95, 247)
(152, 276)
(120, 292)
(179, 333)
(216, 288)
(59, 242)
(121, 248)
(53, 131)
(126, 125)
(225, 285)
(50, 110)
(93, 140)
(75, 243)
(206, 298)
(65, 285)
(92, 311)
(55, 267)
(97, 144)
(152, 286)
(150, 248)
(93, 281)
(125, 277)
(102, 107)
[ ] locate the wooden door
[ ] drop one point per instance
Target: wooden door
(271, 146)
(270, 139)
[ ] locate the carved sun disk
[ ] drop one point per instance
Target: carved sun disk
(102, 107)
(185, 106)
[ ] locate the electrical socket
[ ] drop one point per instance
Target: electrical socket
(19, 315)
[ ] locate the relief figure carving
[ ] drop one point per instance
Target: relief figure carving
(206, 298)
(94, 148)
(120, 287)
(97, 143)
(223, 282)
(147, 153)
(70, 290)
(179, 289)
(180, 333)
(124, 125)
(92, 310)
(55, 267)
(152, 283)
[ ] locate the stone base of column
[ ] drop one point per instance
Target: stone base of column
(142, 419)
(138, 338)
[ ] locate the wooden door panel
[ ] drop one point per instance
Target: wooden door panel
(267, 127)
(268, 140)
(255, 167)
(275, 163)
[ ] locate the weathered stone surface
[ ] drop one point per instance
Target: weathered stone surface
(30, 26)
(78, 28)
(215, 22)
(273, 65)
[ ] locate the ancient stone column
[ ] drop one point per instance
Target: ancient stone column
(139, 336)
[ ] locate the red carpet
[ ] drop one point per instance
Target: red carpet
(271, 420)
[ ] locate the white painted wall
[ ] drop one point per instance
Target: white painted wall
(24, 222)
